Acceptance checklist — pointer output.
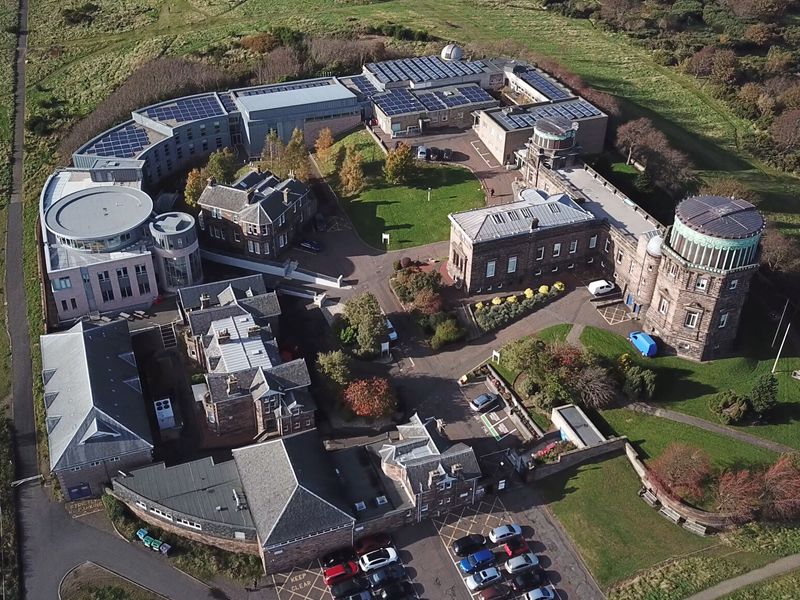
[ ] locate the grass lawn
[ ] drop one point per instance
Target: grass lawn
(404, 211)
(780, 588)
(686, 386)
(92, 582)
(616, 532)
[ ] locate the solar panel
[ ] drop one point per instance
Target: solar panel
(423, 68)
(227, 102)
(544, 86)
(124, 142)
(288, 87)
(364, 85)
(183, 110)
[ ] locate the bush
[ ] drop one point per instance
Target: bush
(197, 378)
(729, 406)
(409, 281)
(527, 387)
(348, 336)
(764, 395)
(446, 333)
(499, 313)
(640, 383)
(396, 265)
(8, 543)
(405, 262)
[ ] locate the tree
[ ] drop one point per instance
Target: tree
(351, 175)
(759, 34)
(364, 314)
(729, 406)
(729, 187)
(764, 395)
(520, 355)
(594, 386)
(222, 165)
(196, 182)
(335, 366)
(370, 398)
(273, 155)
(297, 161)
(633, 135)
(682, 470)
(427, 301)
(724, 67)
(779, 61)
(399, 164)
(786, 131)
(779, 252)
(782, 489)
(640, 383)
(739, 494)
(324, 144)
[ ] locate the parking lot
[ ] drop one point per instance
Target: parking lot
(494, 431)
(480, 519)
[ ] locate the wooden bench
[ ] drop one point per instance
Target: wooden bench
(671, 514)
(650, 498)
(105, 319)
(139, 314)
(125, 315)
(696, 528)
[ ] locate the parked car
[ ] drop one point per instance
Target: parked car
(310, 246)
(377, 559)
(464, 546)
(483, 579)
(365, 595)
(386, 575)
(479, 560)
(422, 153)
(484, 402)
(338, 556)
(504, 533)
(372, 542)
(522, 562)
(644, 343)
(447, 154)
(541, 593)
(350, 587)
(600, 287)
(496, 592)
(338, 573)
(527, 580)
(434, 153)
(515, 547)
(399, 590)
(392, 332)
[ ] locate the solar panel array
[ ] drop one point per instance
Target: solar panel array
(461, 96)
(183, 110)
(398, 102)
(125, 142)
(423, 68)
(364, 85)
(546, 87)
(288, 87)
(578, 109)
(227, 101)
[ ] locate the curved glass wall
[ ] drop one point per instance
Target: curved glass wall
(712, 253)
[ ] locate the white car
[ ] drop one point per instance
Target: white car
(377, 559)
(504, 533)
(523, 562)
(600, 287)
(422, 153)
(483, 579)
(541, 593)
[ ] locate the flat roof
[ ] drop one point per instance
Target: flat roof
(581, 426)
(720, 216)
(98, 212)
(172, 223)
(420, 69)
(271, 97)
(512, 118)
(606, 202)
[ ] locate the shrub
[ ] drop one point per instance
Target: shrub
(405, 262)
(527, 387)
(446, 333)
(427, 301)
(197, 378)
(543, 289)
(729, 406)
(511, 299)
(559, 286)
(764, 395)
(529, 293)
(348, 336)
(497, 300)
(639, 383)
(396, 265)
(479, 306)
(500, 313)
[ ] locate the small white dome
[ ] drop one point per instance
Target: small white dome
(452, 52)
(654, 245)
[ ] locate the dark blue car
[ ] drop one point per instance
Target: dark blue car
(475, 562)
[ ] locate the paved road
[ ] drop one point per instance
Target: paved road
(713, 427)
(779, 567)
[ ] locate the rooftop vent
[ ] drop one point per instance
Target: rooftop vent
(361, 506)
(381, 500)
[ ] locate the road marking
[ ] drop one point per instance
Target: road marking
(490, 428)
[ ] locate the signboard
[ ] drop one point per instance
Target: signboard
(384, 348)
(496, 357)
(385, 238)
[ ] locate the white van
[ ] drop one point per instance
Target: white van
(600, 287)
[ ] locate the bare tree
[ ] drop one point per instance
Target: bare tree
(780, 252)
(782, 489)
(682, 469)
(633, 135)
(595, 387)
(739, 493)
(280, 63)
(786, 131)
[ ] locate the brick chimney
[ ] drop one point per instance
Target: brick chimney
(224, 336)
(205, 301)
(286, 196)
(233, 384)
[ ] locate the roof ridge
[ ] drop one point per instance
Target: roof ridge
(288, 500)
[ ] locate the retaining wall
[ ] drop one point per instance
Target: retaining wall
(573, 458)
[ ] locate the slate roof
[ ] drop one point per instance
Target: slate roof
(288, 376)
(423, 449)
(194, 488)
(291, 488)
(239, 349)
(190, 296)
(261, 307)
(720, 216)
(95, 409)
(534, 211)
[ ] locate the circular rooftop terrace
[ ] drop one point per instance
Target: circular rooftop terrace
(98, 213)
(720, 217)
(172, 223)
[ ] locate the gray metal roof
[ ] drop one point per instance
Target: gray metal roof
(94, 404)
(535, 211)
(172, 222)
(241, 349)
(288, 96)
(194, 488)
(581, 426)
(720, 216)
(251, 285)
(291, 488)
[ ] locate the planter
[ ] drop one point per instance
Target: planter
(500, 312)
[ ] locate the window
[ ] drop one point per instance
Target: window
(73, 469)
(95, 463)
(281, 220)
(108, 295)
(236, 236)
(216, 213)
(555, 269)
(161, 513)
(235, 217)
(673, 270)
(607, 245)
(663, 306)
(282, 239)
(73, 303)
(723, 320)
(540, 253)
(537, 273)
(490, 268)
(125, 290)
(701, 284)
(573, 246)
(249, 245)
(62, 283)
(201, 220)
(732, 285)
(189, 523)
(593, 242)
(144, 288)
(691, 320)
(620, 256)
(114, 459)
(257, 248)
(102, 276)
(141, 505)
(64, 305)
(512, 264)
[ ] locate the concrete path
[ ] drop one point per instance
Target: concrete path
(574, 335)
(709, 426)
(779, 567)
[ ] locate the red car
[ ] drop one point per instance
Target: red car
(371, 543)
(515, 547)
(339, 573)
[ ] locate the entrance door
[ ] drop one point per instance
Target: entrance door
(629, 299)
(80, 491)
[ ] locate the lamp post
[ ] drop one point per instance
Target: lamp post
(429, 194)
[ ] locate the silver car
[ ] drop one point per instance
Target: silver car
(504, 533)
(521, 563)
(483, 579)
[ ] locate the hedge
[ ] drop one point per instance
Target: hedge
(503, 311)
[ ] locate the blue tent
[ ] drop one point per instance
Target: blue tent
(644, 343)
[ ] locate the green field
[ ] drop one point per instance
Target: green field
(780, 588)
(616, 532)
(686, 386)
(403, 211)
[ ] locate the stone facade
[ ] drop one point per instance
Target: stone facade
(96, 476)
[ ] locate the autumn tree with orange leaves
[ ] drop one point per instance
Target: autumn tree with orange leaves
(370, 398)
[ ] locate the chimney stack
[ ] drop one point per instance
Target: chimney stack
(205, 301)
(286, 196)
(233, 384)
(224, 336)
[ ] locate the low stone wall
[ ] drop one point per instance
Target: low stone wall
(573, 458)
(518, 411)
